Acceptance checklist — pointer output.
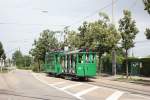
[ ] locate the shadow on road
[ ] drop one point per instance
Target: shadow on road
(17, 94)
(142, 82)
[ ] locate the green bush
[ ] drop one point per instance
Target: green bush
(145, 70)
(107, 64)
(130, 60)
(35, 66)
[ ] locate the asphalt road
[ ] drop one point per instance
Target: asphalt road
(21, 85)
(26, 85)
(88, 91)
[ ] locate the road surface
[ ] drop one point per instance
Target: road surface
(21, 85)
(26, 85)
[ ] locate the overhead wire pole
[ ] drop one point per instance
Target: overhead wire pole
(65, 37)
(113, 51)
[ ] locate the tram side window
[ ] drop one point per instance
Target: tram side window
(90, 58)
(74, 61)
(58, 59)
(87, 58)
(93, 58)
(80, 58)
(70, 60)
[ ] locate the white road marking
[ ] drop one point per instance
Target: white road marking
(70, 86)
(56, 87)
(86, 91)
(138, 95)
(58, 83)
(115, 95)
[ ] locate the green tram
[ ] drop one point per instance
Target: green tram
(75, 64)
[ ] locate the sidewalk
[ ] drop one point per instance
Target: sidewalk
(129, 86)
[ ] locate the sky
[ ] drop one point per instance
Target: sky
(21, 21)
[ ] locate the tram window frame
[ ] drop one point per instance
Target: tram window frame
(80, 58)
(87, 59)
(90, 59)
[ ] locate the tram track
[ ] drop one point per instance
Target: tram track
(122, 88)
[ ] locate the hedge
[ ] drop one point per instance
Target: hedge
(145, 70)
(130, 60)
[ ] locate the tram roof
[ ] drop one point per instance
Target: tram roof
(77, 51)
(55, 52)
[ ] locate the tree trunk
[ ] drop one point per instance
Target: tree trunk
(38, 65)
(99, 63)
(1, 64)
(113, 62)
(127, 73)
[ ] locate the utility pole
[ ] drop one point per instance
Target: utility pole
(1, 63)
(66, 32)
(113, 51)
(66, 47)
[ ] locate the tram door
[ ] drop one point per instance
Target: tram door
(90, 64)
(86, 65)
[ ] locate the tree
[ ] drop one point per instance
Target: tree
(128, 30)
(147, 5)
(20, 60)
(77, 39)
(147, 8)
(45, 43)
(2, 55)
(74, 39)
(1, 50)
(100, 35)
(17, 58)
(106, 36)
(27, 61)
(83, 34)
(147, 33)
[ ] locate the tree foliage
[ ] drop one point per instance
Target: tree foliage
(128, 30)
(147, 33)
(45, 42)
(2, 52)
(27, 61)
(74, 39)
(20, 60)
(100, 35)
(17, 58)
(147, 8)
(147, 5)
(83, 34)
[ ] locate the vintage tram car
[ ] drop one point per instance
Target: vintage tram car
(77, 64)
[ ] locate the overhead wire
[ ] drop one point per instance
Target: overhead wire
(133, 5)
(93, 13)
(3, 23)
(143, 41)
